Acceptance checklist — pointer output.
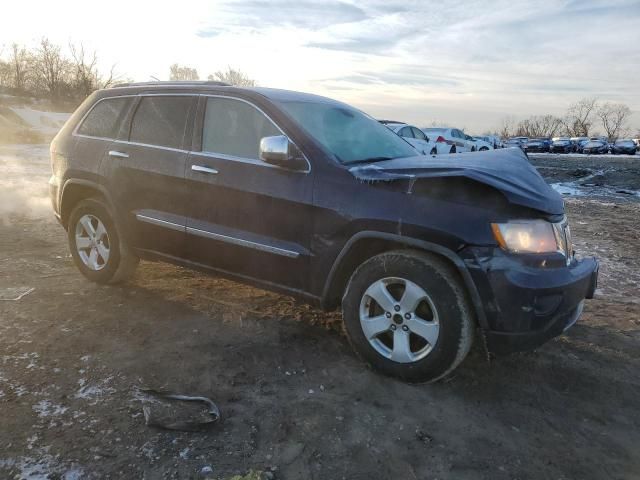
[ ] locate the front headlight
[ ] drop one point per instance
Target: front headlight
(529, 236)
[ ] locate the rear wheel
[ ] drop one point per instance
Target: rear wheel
(407, 315)
(97, 247)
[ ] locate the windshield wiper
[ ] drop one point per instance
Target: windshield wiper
(368, 160)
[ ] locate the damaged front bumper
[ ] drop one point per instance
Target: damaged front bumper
(526, 301)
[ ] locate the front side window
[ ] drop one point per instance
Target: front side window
(349, 134)
(161, 121)
(104, 119)
(233, 127)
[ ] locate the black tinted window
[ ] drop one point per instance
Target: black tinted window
(161, 121)
(105, 117)
(233, 127)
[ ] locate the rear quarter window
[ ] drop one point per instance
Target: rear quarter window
(104, 118)
(161, 121)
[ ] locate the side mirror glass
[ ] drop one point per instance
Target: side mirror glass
(278, 150)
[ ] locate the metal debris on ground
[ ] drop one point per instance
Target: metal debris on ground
(15, 293)
(172, 411)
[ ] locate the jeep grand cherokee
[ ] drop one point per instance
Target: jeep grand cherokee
(311, 197)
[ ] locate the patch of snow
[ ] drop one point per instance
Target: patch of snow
(47, 122)
(45, 408)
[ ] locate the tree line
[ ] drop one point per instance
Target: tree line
(585, 118)
(70, 75)
(46, 71)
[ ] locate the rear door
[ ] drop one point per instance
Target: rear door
(96, 134)
(146, 172)
(245, 216)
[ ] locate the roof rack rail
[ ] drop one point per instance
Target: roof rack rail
(170, 83)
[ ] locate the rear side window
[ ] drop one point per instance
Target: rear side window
(406, 132)
(419, 134)
(104, 118)
(161, 121)
(232, 127)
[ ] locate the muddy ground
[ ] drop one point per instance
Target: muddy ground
(295, 400)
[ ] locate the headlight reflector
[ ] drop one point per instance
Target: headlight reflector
(527, 236)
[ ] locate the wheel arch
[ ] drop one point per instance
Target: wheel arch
(77, 190)
(367, 244)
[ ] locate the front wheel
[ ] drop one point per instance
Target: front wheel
(407, 315)
(97, 247)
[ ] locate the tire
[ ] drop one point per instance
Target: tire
(453, 150)
(391, 345)
(97, 247)
(484, 149)
(433, 151)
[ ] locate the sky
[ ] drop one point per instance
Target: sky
(467, 64)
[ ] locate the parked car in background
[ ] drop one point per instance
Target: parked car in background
(496, 142)
(481, 145)
(518, 142)
(627, 147)
(538, 145)
(562, 145)
(637, 142)
(417, 138)
(596, 145)
(578, 143)
(451, 136)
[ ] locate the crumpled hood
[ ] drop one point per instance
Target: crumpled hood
(507, 170)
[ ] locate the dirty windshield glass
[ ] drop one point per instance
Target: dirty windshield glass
(347, 133)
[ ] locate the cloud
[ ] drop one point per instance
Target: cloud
(290, 13)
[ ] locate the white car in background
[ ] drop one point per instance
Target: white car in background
(495, 142)
(416, 138)
(481, 145)
(451, 136)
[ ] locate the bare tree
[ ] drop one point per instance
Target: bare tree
(614, 117)
(579, 118)
(177, 72)
(19, 62)
(5, 72)
(233, 77)
(507, 127)
(539, 126)
(50, 68)
(85, 75)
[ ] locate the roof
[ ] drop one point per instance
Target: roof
(274, 94)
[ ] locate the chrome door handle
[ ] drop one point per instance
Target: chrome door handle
(200, 168)
(115, 153)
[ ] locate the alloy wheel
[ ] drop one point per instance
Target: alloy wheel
(399, 319)
(92, 242)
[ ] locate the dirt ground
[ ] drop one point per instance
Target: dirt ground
(296, 403)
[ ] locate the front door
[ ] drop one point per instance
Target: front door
(246, 217)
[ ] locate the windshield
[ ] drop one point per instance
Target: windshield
(350, 135)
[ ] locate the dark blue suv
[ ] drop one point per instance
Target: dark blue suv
(313, 198)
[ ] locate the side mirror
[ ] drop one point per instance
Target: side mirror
(278, 150)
